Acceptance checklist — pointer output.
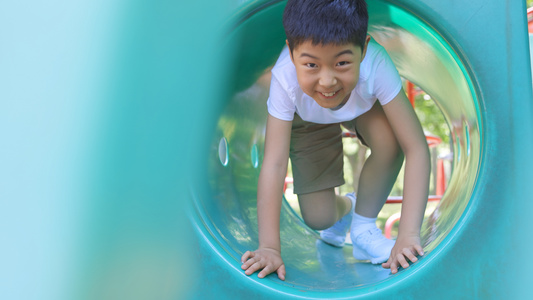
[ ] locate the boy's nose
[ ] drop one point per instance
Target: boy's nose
(327, 79)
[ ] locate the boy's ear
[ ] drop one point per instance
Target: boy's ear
(367, 40)
(290, 50)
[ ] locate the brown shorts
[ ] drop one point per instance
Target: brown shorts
(316, 155)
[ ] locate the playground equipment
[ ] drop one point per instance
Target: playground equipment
(445, 50)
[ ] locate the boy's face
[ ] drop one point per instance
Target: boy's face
(328, 73)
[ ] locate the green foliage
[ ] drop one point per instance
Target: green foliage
(431, 117)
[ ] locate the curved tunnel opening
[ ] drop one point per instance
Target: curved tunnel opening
(420, 54)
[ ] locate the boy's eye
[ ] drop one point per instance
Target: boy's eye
(342, 63)
(311, 65)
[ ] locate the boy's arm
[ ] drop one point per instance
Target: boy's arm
(411, 138)
(267, 257)
(271, 180)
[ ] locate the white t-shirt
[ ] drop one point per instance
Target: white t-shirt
(378, 79)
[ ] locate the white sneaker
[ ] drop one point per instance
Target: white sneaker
(336, 234)
(370, 244)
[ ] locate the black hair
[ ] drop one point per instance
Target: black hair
(325, 22)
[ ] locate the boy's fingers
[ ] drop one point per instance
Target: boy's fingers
(388, 263)
(402, 261)
(409, 254)
(253, 264)
(248, 263)
(266, 270)
(246, 255)
(281, 272)
(256, 266)
(394, 264)
(393, 268)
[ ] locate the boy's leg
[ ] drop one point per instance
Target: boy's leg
(321, 209)
(317, 166)
(382, 166)
(375, 183)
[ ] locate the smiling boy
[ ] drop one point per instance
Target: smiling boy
(331, 73)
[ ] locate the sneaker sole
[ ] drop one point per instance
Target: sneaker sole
(361, 255)
(331, 242)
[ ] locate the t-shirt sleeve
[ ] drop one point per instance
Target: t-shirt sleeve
(279, 103)
(387, 81)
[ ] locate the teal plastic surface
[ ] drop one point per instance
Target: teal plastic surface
(114, 183)
(449, 51)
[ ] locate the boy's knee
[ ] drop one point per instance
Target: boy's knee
(319, 224)
(319, 219)
(319, 209)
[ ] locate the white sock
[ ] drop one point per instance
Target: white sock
(361, 223)
(352, 204)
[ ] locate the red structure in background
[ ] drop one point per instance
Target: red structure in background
(411, 93)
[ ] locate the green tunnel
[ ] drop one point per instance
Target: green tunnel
(431, 48)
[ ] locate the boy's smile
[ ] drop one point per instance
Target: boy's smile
(328, 73)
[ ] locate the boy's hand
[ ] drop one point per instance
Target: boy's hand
(405, 248)
(267, 259)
